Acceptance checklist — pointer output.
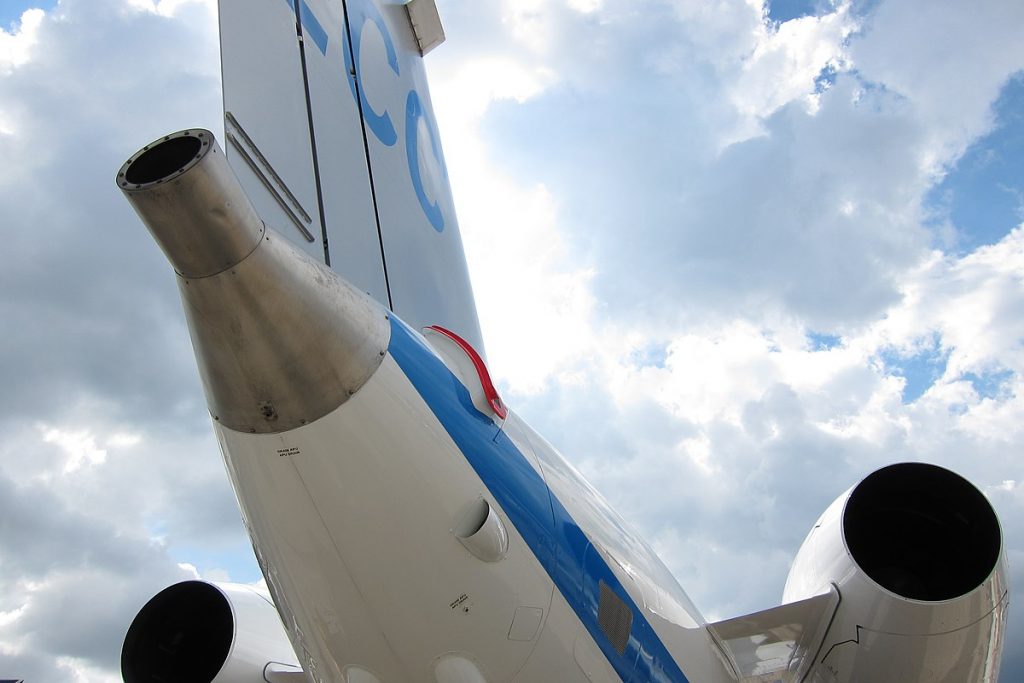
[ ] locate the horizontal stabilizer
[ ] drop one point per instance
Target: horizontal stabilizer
(777, 645)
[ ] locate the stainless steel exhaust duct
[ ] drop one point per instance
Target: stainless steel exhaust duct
(189, 198)
(280, 339)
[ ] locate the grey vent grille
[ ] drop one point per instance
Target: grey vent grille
(614, 617)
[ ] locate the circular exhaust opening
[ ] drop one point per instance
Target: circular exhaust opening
(922, 532)
(184, 633)
(172, 155)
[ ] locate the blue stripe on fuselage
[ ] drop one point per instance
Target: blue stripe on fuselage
(550, 531)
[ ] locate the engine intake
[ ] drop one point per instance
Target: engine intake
(915, 553)
(208, 633)
(183, 631)
(922, 532)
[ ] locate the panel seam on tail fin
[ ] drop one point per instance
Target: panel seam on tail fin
(312, 133)
(274, 184)
(268, 168)
(366, 152)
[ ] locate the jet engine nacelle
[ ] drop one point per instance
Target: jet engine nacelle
(209, 633)
(916, 554)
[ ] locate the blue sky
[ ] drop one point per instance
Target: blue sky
(749, 254)
(10, 12)
(784, 10)
(983, 194)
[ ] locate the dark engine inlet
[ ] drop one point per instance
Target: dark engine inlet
(922, 532)
(183, 634)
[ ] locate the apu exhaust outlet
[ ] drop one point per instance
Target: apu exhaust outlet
(280, 339)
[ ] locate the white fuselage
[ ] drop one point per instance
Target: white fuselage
(356, 521)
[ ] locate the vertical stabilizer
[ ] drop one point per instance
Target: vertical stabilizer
(329, 126)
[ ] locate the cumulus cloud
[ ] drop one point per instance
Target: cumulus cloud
(69, 581)
(949, 66)
(747, 202)
(102, 404)
(15, 48)
(646, 134)
(751, 432)
(700, 249)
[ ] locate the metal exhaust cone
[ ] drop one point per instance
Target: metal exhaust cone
(280, 339)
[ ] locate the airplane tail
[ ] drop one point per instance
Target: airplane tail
(330, 129)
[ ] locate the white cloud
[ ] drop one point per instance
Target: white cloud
(171, 8)
(773, 429)
(586, 6)
(787, 60)
(973, 304)
(525, 20)
(80, 447)
(648, 294)
(687, 361)
(189, 569)
(16, 47)
(532, 307)
(949, 67)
